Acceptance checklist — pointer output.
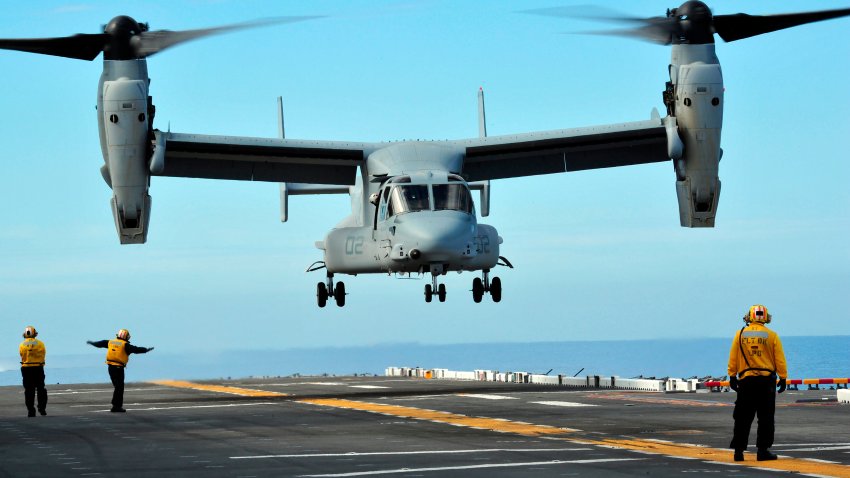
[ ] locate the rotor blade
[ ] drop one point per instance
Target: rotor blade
(82, 47)
(740, 25)
(584, 12)
(656, 30)
(148, 43)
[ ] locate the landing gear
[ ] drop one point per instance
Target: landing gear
(321, 294)
(433, 289)
(477, 290)
(484, 285)
(339, 294)
(496, 289)
(326, 289)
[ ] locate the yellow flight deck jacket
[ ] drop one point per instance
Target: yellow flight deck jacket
(116, 353)
(33, 352)
(757, 351)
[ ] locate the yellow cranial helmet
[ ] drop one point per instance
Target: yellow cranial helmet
(123, 334)
(30, 332)
(758, 313)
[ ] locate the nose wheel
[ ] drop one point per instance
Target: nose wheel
(484, 285)
(433, 289)
(325, 290)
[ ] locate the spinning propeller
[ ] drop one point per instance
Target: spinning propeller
(125, 39)
(693, 23)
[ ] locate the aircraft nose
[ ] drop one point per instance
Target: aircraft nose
(441, 237)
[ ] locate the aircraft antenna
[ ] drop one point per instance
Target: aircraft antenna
(280, 130)
(482, 118)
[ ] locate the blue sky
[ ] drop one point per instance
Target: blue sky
(598, 254)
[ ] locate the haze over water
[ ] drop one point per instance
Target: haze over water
(808, 357)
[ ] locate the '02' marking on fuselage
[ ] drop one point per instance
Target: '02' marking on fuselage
(354, 245)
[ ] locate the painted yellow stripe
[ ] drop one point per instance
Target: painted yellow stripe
(245, 392)
(647, 446)
(494, 424)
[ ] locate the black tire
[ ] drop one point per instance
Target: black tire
(496, 289)
(477, 289)
(321, 294)
(441, 294)
(429, 294)
(339, 294)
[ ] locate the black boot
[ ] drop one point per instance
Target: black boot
(739, 455)
(765, 455)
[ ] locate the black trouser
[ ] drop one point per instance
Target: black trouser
(116, 374)
(34, 382)
(756, 396)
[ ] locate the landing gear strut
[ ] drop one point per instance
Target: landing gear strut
(433, 289)
(326, 289)
(484, 285)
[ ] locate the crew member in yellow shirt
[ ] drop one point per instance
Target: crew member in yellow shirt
(118, 352)
(33, 353)
(755, 360)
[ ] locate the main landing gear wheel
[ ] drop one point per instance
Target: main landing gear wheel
(429, 293)
(484, 285)
(477, 290)
(442, 292)
(321, 294)
(496, 289)
(339, 294)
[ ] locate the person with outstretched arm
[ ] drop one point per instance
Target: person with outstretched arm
(118, 352)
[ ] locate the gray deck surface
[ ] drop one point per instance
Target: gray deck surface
(170, 431)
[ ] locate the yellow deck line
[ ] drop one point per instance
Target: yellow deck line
(494, 424)
(244, 392)
(647, 446)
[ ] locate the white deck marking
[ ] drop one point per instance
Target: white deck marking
(565, 404)
(819, 448)
(224, 405)
(486, 396)
(782, 445)
(472, 467)
(295, 384)
(367, 386)
(413, 452)
(105, 390)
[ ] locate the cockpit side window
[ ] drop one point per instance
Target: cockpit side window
(408, 199)
(453, 197)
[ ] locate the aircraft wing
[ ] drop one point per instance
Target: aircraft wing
(560, 151)
(256, 159)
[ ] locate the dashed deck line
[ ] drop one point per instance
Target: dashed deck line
(244, 392)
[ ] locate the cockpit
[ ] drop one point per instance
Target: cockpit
(399, 196)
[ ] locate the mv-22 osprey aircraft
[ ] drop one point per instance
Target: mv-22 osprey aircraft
(411, 207)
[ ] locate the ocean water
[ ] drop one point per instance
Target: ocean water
(808, 357)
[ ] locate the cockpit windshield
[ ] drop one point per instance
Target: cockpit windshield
(409, 199)
(454, 197)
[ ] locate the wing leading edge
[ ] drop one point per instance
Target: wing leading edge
(560, 151)
(256, 159)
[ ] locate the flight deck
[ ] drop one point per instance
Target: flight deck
(393, 426)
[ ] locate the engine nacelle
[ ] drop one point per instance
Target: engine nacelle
(698, 81)
(124, 115)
